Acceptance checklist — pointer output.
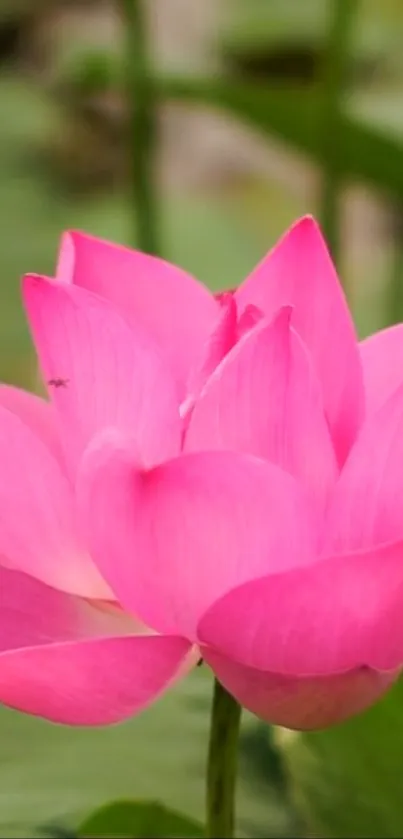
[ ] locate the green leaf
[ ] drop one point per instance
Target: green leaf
(56, 831)
(278, 24)
(348, 778)
(365, 152)
(139, 819)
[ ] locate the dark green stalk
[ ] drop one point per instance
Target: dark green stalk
(141, 98)
(334, 83)
(222, 764)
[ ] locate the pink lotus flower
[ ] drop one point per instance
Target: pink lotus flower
(214, 474)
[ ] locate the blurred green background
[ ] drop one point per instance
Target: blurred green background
(266, 109)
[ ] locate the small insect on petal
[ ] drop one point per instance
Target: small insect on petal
(58, 382)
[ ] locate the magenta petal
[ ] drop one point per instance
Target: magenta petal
(38, 532)
(101, 372)
(339, 614)
(64, 660)
(190, 529)
(300, 703)
(222, 338)
(382, 362)
(177, 310)
(366, 507)
(264, 399)
(299, 272)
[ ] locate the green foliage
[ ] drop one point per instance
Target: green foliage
(16, 9)
(139, 819)
(365, 153)
(335, 77)
(89, 70)
(55, 774)
(56, 831)
(365, 150)
(348, 779)
(198, 234)
(289, 23)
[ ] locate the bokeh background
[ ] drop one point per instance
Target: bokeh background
(265, 110)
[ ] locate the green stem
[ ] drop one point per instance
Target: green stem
(334, 81)
(142, 126)
(222, 764)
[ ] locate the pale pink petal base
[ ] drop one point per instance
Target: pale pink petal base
(302, 704)
(57, 660)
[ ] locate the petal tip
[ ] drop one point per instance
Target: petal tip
(307, 225)
(34, 283)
